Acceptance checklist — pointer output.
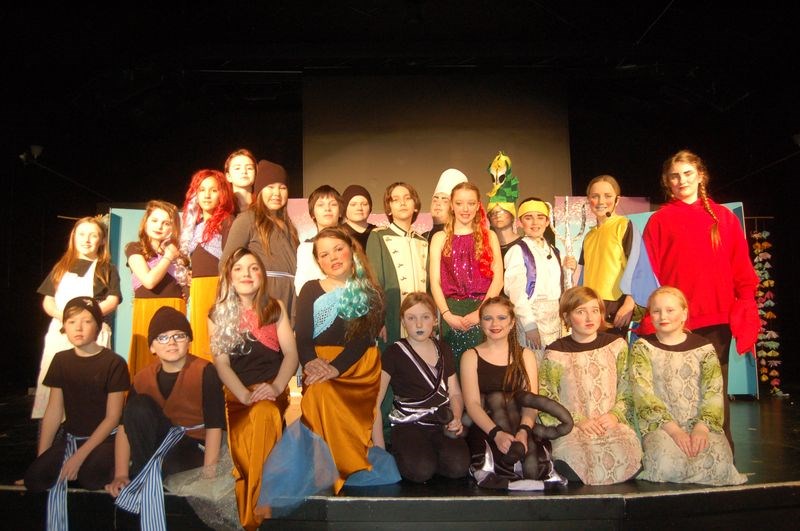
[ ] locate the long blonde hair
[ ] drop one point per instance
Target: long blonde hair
(226, 314)
(480, 231)
(102, 270)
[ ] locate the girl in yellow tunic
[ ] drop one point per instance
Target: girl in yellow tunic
(207, 217)
(612, 252)
(158, 275)
(255, 355)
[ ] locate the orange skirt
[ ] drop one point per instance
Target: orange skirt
(202, 295)
(139, 354)
(342, 410)
(252, 433)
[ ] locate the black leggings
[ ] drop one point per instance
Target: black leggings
(720, 336)
(537, 462)
(146, 426)
(95, 472)
(422, 451)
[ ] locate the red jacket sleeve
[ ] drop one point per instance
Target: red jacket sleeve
(744, 320)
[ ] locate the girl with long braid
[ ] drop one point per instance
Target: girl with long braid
(466, 268)
(699, 247)
(499, 380)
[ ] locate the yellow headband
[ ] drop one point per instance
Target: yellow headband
(508, 207)
(533, 206)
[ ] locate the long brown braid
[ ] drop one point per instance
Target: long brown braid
(516, 377)
(701, 191)
(689, 157)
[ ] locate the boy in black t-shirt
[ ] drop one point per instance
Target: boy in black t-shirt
(88, 384)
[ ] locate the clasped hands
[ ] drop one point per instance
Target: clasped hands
(318, 370)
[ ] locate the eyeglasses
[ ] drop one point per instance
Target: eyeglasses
(180, 337)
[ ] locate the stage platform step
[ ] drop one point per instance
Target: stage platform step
(765, 432)
(763, 506)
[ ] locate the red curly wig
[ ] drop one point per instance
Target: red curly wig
(225, 209)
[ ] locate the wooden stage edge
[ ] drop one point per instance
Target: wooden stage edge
(765, 506)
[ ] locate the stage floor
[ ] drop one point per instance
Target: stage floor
(766, 433)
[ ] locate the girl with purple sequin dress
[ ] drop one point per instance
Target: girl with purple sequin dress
(466, 268)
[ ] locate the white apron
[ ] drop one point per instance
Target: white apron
(72, 285)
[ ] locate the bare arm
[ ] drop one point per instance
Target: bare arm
(529, 360)
(377, 425)
(435, 274)
(150, 277)
(435, 253)
(456, 405)
(472, 393)
(50, 308)
(472, 401)
(51, 420)
(497, 267)
(623, 316)
(122, 458)
(288, 348)
(222, 362)
(213, 444)
(109, 304)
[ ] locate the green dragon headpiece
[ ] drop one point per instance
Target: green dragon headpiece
(505, 185)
